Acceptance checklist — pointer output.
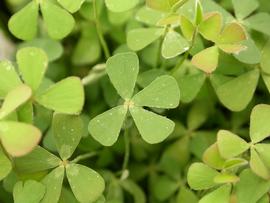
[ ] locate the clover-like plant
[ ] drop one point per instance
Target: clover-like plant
(66, 96)
(58, 21)
(163, 92)
(87, 185)
(224, 159)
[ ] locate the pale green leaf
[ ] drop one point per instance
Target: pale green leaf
(259, 127)
(86, 184)
(213, 158)
(66, 96)
(173, 45)
(187, 28)
(149, 16)
(250, 188)
(257, 165)
(233, 94)
(138, 39)
(11, 136)
(230, 145)
(162, 5)
(9, 78)
(38, 160)
(163, 92)
(259, 22)
(207, 60)
(24, 23)
(123, 71)
(264, 153)
(226, 36)
(201, 176)
(59, 22)
(5, 164)
(226, 178)
(71, 5)
(32, 63)
(14, 99)
(186, 195)
(53, 182)
(120, 5)
(243, 8)
(152, 127)
(67, 132)
(28, 192)
(265, 62)
(105, 128)
(220, 195)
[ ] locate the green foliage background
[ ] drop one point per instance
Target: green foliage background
(121, 101)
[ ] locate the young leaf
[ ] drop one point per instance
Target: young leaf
(187, 28)
(15, 99)
(5, 164)
(66, 96)
(123, 70)
(12, 133)
(86, 184)
(32, 65)
(257, 165)
(53, 182)
(105, 128)
(71, 5)
(264, 152)
(230, 145)
(206, 60)
(163, 92)
(120, 5)
(67, 132)
(211, 26)
(232, 93)
(199, 12)
(226, 178)
(38, 160)
(201, 176)
(138, 39)
(23, 24)
(265, 63)
(226, 36)
(250, 188)
(152, 127)
(220, 195)
(173, 45)
(259, 128)
(58, 21)
(243, 8)
(162, 5)
(9, 78)
(213, 158)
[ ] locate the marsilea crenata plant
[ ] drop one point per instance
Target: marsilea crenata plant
(122, 101)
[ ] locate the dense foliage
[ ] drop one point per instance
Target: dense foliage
(121, 101)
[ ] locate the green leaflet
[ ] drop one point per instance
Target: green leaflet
(259, 22)
(106, 127)
(23, 24)
(120, 5)
(230, 145)
(152, 127)
(67, 132)
(66, 96)
(163, 92)
(220, 195)
(59, 22)
(14, 99)
(259, 129)
(213, 158)
(70, 5)
(265, 64)
(164, 188)
(138, 39)
(86, 184)
(201, 176)
(5, 163)
(243, 8)
(32, 63)
(30, 191)
(173, 45)
(11, 134)
(53, 182)
(123, 70)
(257, 165)
(8, 78)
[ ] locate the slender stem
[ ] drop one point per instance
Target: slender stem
(160, 45)
(100, 32)
(96, 73)
(127, 153)
(84, 156)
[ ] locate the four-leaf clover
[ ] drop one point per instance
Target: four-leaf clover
(163, 92)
